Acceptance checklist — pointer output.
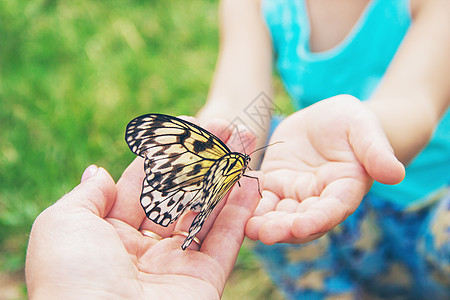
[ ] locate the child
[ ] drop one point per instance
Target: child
(394, 57)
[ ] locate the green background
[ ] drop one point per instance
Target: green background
(72, 74)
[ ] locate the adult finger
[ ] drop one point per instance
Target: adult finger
(227, 234)
(127, 207)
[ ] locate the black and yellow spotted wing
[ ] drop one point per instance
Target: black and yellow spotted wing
(185, 167)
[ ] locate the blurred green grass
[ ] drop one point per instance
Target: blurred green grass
(72, 74)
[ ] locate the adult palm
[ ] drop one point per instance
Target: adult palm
(89, 245)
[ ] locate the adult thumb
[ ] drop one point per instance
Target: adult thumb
(96, 192)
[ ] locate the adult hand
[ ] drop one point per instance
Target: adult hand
(329, 156)
(88, 244)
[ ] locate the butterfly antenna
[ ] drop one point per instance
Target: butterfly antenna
(242, 143)
(264, 147)
(260, 148)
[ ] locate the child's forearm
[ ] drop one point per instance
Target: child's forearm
(408, 126)
(415, 91)
(243, 70)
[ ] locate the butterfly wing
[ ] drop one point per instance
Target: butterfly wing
(178, 154)
(218, 181)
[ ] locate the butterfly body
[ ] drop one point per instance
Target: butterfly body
(185, 167)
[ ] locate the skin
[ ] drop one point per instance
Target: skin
(88, 245)
(309, 192)
(333, 150)
(330, 155)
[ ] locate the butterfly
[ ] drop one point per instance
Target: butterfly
(185, 167)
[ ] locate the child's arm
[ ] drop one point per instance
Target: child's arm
(415, 91)
(244, 67)
(335, 148)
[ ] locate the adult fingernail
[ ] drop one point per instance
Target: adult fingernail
(91, 170)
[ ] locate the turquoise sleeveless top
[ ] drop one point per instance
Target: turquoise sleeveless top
(355, 67)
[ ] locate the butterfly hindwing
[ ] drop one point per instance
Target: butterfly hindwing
(164, 207)
(218, 181)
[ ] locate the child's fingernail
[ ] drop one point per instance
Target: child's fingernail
(91, 170)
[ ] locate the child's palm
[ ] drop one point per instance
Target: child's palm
(330, 154)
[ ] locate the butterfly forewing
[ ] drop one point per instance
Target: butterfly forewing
(152, 134)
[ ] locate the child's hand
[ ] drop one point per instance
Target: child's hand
(330, 155)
